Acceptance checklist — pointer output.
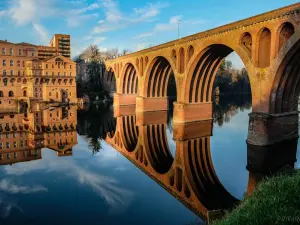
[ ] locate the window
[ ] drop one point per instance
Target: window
(0, 145)
(11, 51)
(4, 62)
(46, 66)
(19, 73)
(70, 74)
(5, 81)
(7, 144)
(23, 64)
(56, 94)
(11, 72)
(10, 94)
(18, 63)
(7, 135)
(14, 134)
(15, 144)
(32, 53)
(4, 72)
(20, 51)
(46, 73)
(49, 142)
(3, 51)
(21, 144)
(1, 157)
(50, 115)
(58, 73)
(70, 67)
(11, 63)
(52, 66)
(0, 135)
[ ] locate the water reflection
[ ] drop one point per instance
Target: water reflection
(23, 135)
(199, 164)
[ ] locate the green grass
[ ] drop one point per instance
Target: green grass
(275, 201)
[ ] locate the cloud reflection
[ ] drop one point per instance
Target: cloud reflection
(107, 187)
(8, 186)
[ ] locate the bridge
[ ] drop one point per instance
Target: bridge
(269, 46)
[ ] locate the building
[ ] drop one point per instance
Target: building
(59, 45)
(22, 136)
(43, 73)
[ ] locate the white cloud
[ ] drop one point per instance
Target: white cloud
(144, 35)
(42, 32)
(170, 26)
(8, 186)
(142, 46)
(116, 19)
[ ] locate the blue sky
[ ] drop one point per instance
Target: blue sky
(129, 24)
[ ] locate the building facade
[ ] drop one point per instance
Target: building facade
(30, 72)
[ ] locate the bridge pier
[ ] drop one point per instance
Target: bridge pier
(188, 131)
(150, 104)
(192, 112)
(267, 129)
(124, 99)
(149, 118)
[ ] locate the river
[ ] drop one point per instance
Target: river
(88, 181)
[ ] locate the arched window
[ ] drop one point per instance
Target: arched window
(24, 93)
(10, 94)
(11, 63)
(1, 94)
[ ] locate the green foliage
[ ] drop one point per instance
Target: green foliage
(229, 80)
(275, 201)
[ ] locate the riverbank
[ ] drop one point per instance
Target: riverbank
(275, 201)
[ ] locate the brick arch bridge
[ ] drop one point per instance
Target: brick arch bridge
(268, 45)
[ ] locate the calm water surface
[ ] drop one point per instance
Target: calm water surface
(95, 183)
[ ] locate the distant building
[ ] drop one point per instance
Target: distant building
(43, 73)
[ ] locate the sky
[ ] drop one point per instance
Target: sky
(126, 24)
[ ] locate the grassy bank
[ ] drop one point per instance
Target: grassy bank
(275, 201)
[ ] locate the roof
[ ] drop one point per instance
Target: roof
(58, 56)
(5, 42)
(25, 43)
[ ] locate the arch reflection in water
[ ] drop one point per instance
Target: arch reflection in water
(190, 175)
(191, 180)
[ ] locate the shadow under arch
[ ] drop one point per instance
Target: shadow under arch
(204, 68)
(129, 132)
(202, 176)
(286, 86)
(157, 149)
(109, 80)
(129, 80)
(158, 77)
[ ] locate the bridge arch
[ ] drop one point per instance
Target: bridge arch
(286, 84)
(158, 75)
(129, 80)
(204, 66)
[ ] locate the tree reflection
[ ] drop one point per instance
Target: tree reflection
(227, 106)
(95, 123)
